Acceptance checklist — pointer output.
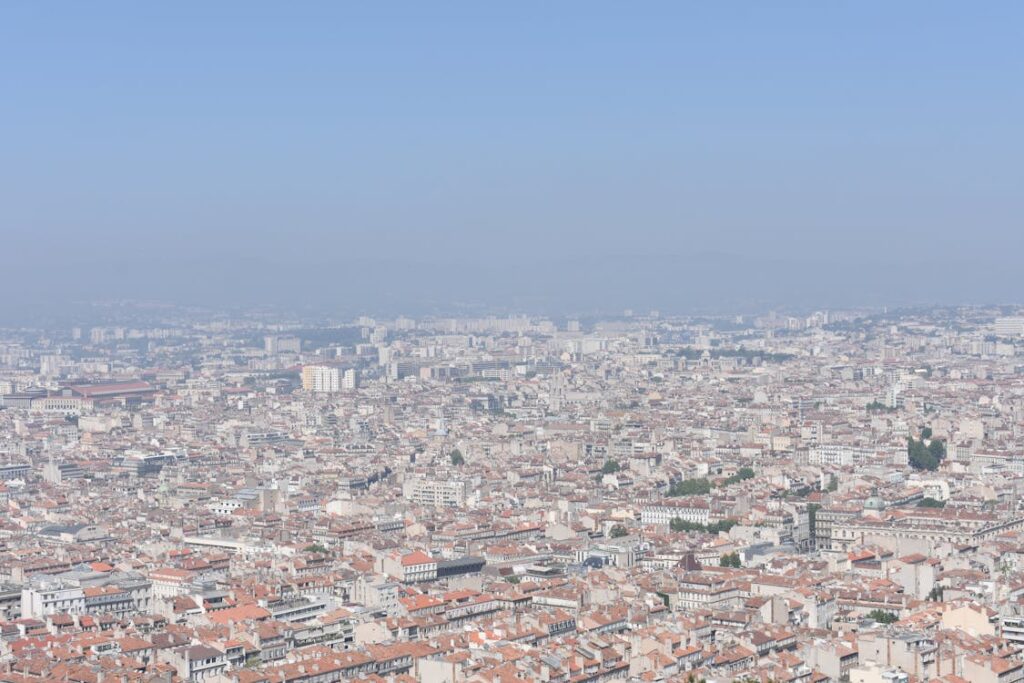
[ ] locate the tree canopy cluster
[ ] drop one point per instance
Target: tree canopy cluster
(882, 616)
(610, 467)
(690, 487)
(925, 457)
(742, 474)
(731, 560)
(703, 485)
(679, 524)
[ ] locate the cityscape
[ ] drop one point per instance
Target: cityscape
(817, 498)
(508, 342)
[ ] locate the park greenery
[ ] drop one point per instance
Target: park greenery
(679, 524)
(742, 474)
(702, 486)
(923, 456)
(812, 518)
(731, 560)
(610, 467)
(690, 487)
(882, 617)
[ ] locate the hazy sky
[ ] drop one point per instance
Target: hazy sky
(540, 155)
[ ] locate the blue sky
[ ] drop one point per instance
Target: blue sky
(534, 155)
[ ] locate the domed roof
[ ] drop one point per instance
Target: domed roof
(874, 502)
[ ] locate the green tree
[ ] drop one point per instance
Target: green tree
(833, 483)
(316, 548)
(610, 467)
(618, 531)
(742, 474)
(927, 502)
(923, 457)
(679, 524)
(456, 457)
(812, 517)
(926, 432)
(731, 560)
(690, 487)
(722, 526)
(882, 616)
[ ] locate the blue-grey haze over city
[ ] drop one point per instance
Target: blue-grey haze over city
(554, 157)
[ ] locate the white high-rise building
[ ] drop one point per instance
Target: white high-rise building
(320, 379)
(274, 344)
(436, 492)
(349, 380)
(1011, 326)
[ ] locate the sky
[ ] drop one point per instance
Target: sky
(535, 156)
